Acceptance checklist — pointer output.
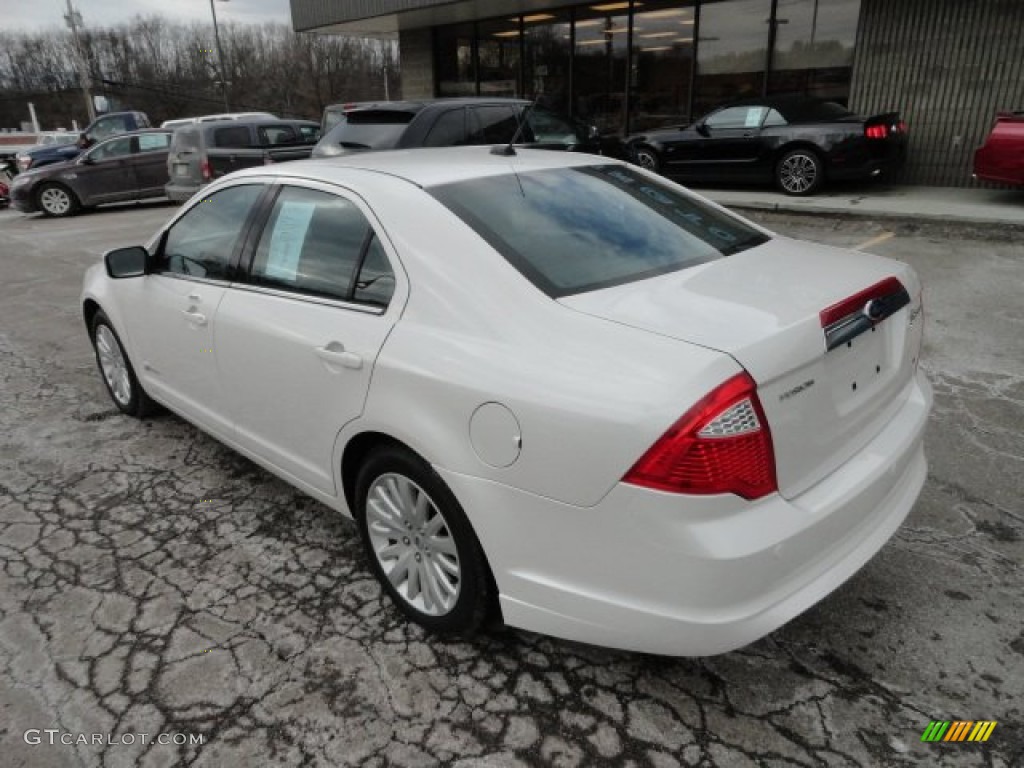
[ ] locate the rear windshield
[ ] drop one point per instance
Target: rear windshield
(185, 140)
(571, 230)
(369, 129)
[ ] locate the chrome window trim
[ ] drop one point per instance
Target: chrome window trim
(367, 309)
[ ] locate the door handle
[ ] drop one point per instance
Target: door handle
(196, 318)
(335, 354)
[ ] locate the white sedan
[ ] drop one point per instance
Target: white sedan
(550, 389)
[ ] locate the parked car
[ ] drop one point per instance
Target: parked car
(99, 129)
(206, 151)
(130, 166)
(179, 122)
(796, 142)
(548, 385)
(1001, 158)
(452, 122)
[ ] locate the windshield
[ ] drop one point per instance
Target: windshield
(571, 230)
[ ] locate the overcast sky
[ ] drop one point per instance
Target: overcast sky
(39, 14)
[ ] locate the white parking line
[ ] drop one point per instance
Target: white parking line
(875, 241)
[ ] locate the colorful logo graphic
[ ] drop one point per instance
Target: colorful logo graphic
(958, 730)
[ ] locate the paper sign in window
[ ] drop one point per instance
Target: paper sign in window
(286, 243)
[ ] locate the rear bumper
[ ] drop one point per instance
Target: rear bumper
(179, 192)
(692, 576)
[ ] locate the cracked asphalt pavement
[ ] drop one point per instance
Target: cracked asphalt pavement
(152, 581)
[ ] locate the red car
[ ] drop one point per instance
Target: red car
(1002, 158)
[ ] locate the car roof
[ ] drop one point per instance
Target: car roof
(429, 167)
(415, 106)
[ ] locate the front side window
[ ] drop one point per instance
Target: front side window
(108, 126)
(737, 117)
(112, 149)
(550, 128)
(201, 243)
(571, 230)
(319, 244)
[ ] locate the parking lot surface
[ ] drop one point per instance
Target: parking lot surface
(154, 582)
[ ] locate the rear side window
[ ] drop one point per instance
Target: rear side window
(492, 125)
(321, 245)
(154, 142)
(201, 242)
(232, 136)
(185, 140)
(570, 230)
(449, 130)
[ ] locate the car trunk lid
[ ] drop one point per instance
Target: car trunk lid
(777, 309)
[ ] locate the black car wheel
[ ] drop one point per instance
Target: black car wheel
(117, 371)
(420, 544)
(800, 172)
(647, 159)
(56, 200)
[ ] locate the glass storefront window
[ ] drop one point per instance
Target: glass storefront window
(547, 54)
(662, 65)
(731, 51)
(813, 52)
(456, 62)
(599, 75)
(498, 51)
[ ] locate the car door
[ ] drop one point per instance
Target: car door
(150, 162)
(173, 315)
(106, 174)
(730, 144)
(296, 344)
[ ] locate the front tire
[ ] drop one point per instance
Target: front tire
(800, 172)
(116, 370)
(57, 201)
(420, 544)
(647, 159)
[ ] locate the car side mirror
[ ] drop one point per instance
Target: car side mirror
(126, 262)
(85, 160)
(702, 129)
(83, 141)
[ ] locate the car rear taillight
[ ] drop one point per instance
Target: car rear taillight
(205, 169)
(721, 445)
(877, 131)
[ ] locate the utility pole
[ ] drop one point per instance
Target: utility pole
(74, 21)
(220, 57)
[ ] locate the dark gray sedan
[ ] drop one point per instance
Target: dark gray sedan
(129, 166)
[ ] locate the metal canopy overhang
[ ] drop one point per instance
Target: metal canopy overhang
(385, 18)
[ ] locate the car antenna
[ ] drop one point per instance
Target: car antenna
(509, 150)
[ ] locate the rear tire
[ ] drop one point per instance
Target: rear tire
(800, 172)
(116, 370)
(57, 201)
(420, 544)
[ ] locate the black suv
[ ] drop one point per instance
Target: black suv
(449, 123)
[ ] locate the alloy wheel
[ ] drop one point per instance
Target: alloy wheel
(798, 173)
(413, 544)
(113, 365)
(647, 160)
(55, 201)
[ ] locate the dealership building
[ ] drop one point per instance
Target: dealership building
(948, 66)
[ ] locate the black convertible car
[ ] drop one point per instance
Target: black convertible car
(796, 142)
